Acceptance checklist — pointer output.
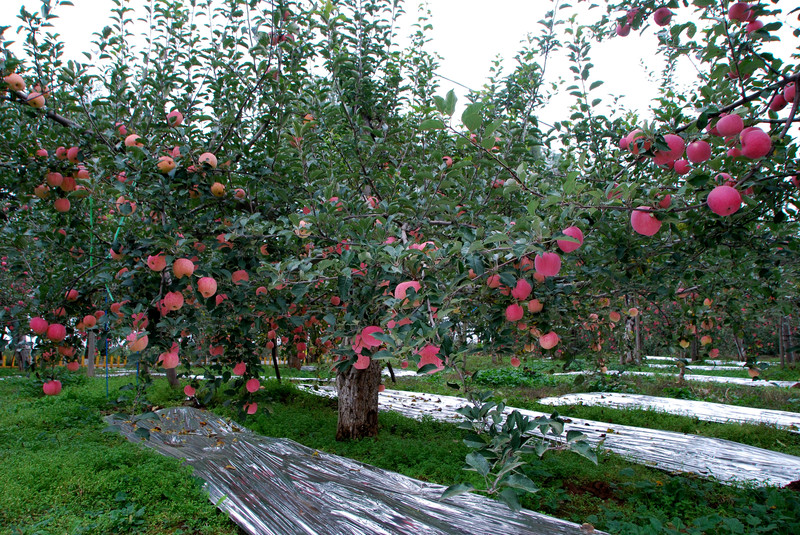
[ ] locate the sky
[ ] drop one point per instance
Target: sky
(468, 34)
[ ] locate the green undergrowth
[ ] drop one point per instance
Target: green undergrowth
(62, 475)
(615, 495)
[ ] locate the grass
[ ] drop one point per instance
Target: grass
(51, 485)
(62, 474)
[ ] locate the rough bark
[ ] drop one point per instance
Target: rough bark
(172, 377)
(740, 348)
(358, 402)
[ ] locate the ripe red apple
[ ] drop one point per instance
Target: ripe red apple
(137, 341)
(250, 408)
(15, 82)
(569, 246)
(549, 340)
(535, 306)
(35, 100)
(644, 222)
(336, 301)
(240, 276)
(208, 159)
(676, 146)
(56, 332)
(754, 26)
(724, 200)
(547, 264)
(730, 125)
(174, 118)
(73, 366)
(38, 325)
(681, 167)
(173, 301)
(778, 102)
(514, 312)
(157, 262)
(755, 143)
(623, 30)
(253, 385)
(54, 179)
(62, 205)
(789, 92)
(207, 286)
(52, 388)
(182, 267)
(638, 142)
(662, 16)
(133, 141)
(665, 202)
(698, 151)
(165, 164)
(402, 289)
(740, 11)
(522, 290)
(71, 295)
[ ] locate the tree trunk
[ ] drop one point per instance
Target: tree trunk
(275, 362)
(694, 350)
(740, 348)
(637, 348)
(782, 343)
(790, 355)
(90, 351)
(358, 402)
(172, 377)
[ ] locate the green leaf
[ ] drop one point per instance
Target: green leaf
(431, 124)
(472, 116)
(455, 490)
(509, 497)
(479, 463)
(450, 103)
(427, 368)
(518, 481)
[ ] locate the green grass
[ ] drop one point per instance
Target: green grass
(62, 474)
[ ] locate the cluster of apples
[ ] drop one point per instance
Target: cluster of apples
(35, 98)
(65, 184)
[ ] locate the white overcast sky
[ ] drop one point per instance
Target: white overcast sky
(468, 34)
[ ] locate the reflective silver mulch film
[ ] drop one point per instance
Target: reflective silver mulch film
(692, 367)
(704, 378)
(703, 410)
(724, 460)
(274, 486)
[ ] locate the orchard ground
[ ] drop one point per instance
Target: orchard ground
(54, 486)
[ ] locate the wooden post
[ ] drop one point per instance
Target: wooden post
(90, 351)
(275, 362)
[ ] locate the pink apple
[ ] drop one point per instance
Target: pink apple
(52, 388)
(644, 222)
(402, 289)
(569, 246)
(56, 332)
(514, 312)
(730, 125)
(547, 264)
(39, 325)
(778, 102)
(682, 167)
(698, 151)
(182, 267)
(253, 385)
(676, 146)
(207, 286)
(535, 306)
(623, 30)
(189, 390)
(724, 200)
(549, 340)
(755, 143)
(522, 290)
(662, 16)
(740, 11)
